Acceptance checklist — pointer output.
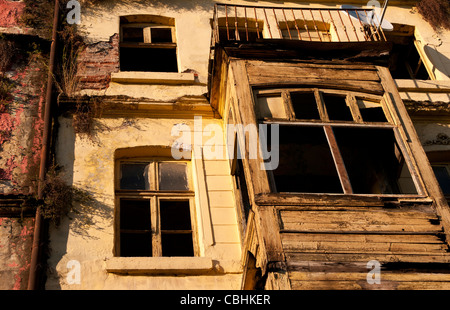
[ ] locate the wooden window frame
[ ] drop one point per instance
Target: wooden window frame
(148, 23)
(327, 124)
(154, 196)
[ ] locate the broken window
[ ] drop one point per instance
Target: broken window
(147, 43)
(406, 60)
(336, 142)
(154, 209)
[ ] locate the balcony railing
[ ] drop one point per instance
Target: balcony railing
(236, 23)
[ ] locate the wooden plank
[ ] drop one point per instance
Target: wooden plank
(275, 73)
(338, 160)
(352, 285)
(382, 217)
(280, 199)
(362, 247)
(384, 276)
(361, 227)
(245, 115)
(366, 257)
(421, 160)
(325, 285)
(328, 65)
(269, 81)
(367, 238)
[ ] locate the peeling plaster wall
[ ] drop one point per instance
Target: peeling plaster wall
(16, 238)
(87, 234)
(21, 126)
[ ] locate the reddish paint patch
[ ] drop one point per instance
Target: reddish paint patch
(10, 12)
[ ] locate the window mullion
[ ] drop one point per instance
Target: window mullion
(286, 98)
(338, 160)
(321, 106)
(156, 226)
(351, 101)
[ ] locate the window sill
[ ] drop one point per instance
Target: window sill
(171, 78)
(159, 265)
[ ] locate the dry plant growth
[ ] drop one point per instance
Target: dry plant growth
(436, 12)
(72, 44)
(58, 197)
(85, 114)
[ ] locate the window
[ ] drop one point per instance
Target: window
(307, 30)
(147, 43)
(442, 173)
(335, 142)
(154, 208)
(406, 61)
(240, 29)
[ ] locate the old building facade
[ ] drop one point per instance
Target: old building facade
(236, 145)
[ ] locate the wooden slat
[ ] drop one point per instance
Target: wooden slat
(361, 227)
(316, 72)
(381, 217)
(338, 160)
(365, 257)
(384, 276)
(367, 238)
(352, 285)
(361, 247)
(310, 64)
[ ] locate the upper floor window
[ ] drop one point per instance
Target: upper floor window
(148, 43)
(240, 29)
(407, 61)
(154, 214)
(335, 142)
(308, 30)
(442, 173)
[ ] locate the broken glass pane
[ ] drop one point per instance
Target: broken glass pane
(271, 107)
(305, 106)
(371, 111)
(306, 164)
(373, 160)
(337, 108)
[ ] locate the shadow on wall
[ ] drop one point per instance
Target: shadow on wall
(440, 62)
(84, 212)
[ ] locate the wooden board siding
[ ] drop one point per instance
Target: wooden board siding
(331, 249)
(324, 241)
(362, 78)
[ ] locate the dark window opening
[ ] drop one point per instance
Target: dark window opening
(371, 111)
(374, 162)
(148, 59)
(242, 187)
(443, 176)
(135, 232)
(406, 62)
(161, 35)
(304, 105)
(132, 34)
(306, 163)
(337, 108)
(176, 230)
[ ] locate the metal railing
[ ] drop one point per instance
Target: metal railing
(251, 23)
